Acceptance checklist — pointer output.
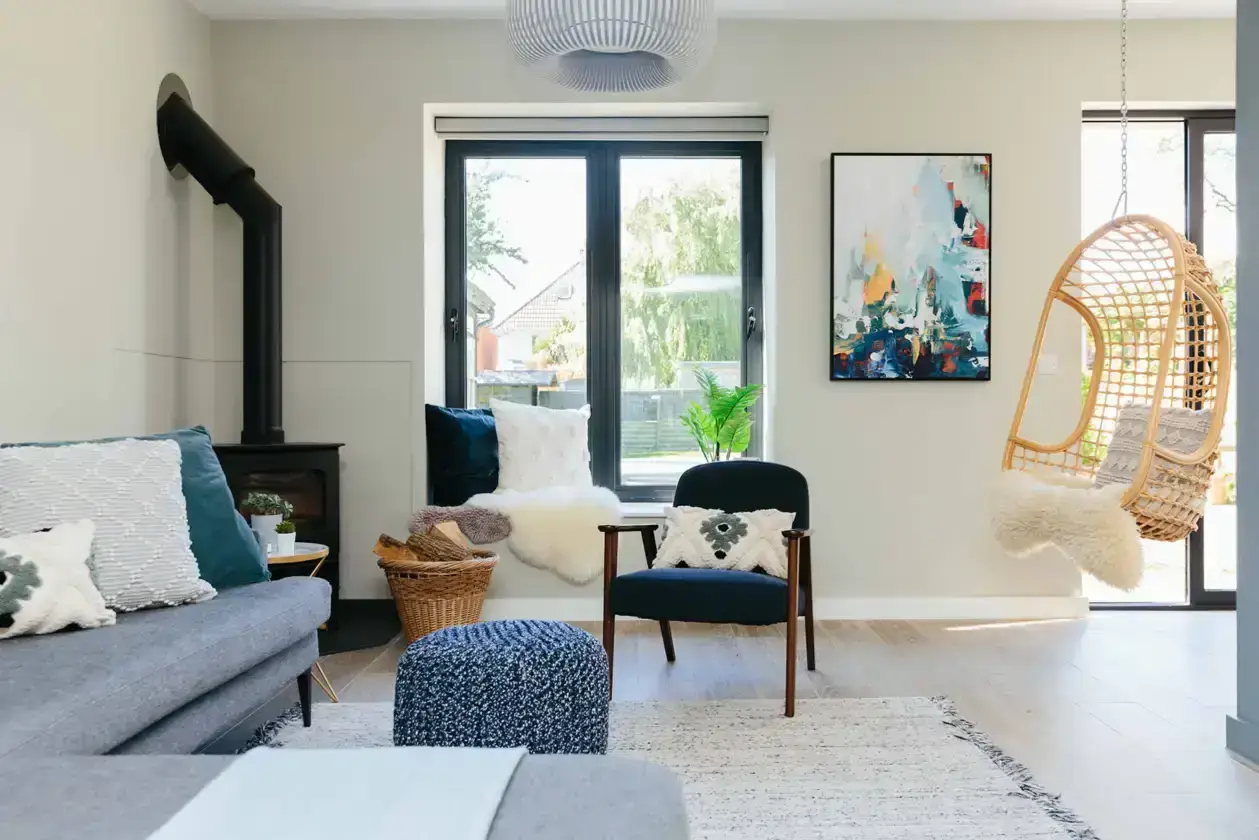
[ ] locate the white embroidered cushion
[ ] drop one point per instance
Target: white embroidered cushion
(712, 539)
(45, 584)
(131, 489)
(541, 447)
(1181, 430)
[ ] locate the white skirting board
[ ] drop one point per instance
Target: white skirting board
(860, 609)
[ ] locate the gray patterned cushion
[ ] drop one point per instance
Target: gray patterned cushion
(133, 492)
(1181, 430)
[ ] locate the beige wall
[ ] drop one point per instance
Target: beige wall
(105, 261)
(332, 116)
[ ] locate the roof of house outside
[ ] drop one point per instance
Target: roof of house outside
(544, 311)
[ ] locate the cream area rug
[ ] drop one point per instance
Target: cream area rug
(902, 768)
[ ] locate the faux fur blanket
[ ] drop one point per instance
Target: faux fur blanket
(480, 525)
(557, 528)
(1086, 523)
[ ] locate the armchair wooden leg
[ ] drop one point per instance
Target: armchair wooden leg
(609, 615)
(609, 641)
(810, 656)
(667, 635)
(793, 621)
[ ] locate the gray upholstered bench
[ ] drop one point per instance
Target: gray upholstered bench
(551, 797)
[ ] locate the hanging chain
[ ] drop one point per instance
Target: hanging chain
(1123, 112)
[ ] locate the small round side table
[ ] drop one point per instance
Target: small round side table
(306, 552)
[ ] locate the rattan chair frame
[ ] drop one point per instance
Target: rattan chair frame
(1161, 337)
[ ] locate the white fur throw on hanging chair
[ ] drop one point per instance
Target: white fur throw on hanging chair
(1034, 511)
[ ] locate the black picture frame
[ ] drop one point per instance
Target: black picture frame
(985, 374)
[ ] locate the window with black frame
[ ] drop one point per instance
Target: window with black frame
(1182, 169)
(608, 274)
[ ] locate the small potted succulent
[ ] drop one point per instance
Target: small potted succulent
(266, 511)
(286, 538)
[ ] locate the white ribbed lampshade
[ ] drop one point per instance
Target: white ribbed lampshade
(612, 46)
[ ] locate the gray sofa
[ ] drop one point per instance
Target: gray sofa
(159, 681)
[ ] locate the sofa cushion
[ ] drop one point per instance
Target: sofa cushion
(226, 550)
(86, 692)
(723, 596)
(462, 453)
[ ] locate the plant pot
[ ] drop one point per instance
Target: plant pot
(264, 527)
(286, 545)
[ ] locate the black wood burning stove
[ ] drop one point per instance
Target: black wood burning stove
(306, 474)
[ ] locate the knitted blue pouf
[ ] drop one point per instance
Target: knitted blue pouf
(536, 684)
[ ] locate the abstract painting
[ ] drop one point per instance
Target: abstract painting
(910, 254)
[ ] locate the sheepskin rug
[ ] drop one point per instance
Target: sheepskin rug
(557, 528)
(1086, 523)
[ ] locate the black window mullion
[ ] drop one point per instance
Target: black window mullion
(752, 233)
(454, 314)
(603, 318)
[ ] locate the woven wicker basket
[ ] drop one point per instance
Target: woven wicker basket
(439, 585)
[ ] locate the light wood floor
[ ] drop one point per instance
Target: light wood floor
(1123, 713)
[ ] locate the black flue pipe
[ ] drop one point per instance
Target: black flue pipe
(187, 140)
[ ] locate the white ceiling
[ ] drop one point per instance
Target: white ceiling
(803, 9)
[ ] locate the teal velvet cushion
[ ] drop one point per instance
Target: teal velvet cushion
(227, 553)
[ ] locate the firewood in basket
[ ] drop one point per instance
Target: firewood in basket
(450, 530)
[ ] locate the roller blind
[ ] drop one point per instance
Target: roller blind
(708, 128)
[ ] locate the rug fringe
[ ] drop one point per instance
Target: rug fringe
(265, 735)
(1029, 788)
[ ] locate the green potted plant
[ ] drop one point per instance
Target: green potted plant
(723, 425)
(286, 538)
(266, 511)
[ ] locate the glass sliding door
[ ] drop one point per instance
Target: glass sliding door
(1213, 227)
(1182, 169)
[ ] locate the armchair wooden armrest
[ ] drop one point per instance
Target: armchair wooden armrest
(796, 533)
(612, 542)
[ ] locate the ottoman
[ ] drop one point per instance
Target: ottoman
(542, 685)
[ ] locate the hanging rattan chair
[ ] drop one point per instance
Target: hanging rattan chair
(1160, 337)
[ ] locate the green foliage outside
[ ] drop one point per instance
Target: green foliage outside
(723, 426)
(685, 231)
(487, 244)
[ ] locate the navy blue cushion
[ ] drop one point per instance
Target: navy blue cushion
(462, 453)
(719, 596)
(745, 485)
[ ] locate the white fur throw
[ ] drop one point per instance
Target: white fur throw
(1033, 512)
(557, 528)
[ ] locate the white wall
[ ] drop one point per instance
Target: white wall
(332, 116)
(105, 261)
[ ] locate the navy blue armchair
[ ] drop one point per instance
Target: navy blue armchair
(720, 596)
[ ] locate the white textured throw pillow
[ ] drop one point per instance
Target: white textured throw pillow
(541, 447)
(1181, 430)
(131, 489)
(45, 585)
(713, 539)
